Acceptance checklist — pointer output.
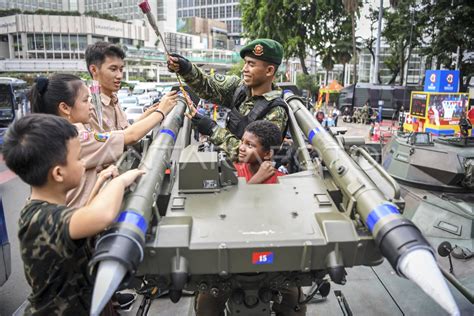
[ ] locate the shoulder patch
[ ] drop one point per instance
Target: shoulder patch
(219, 77)
(101, 137)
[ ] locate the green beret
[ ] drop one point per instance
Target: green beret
(264, 49)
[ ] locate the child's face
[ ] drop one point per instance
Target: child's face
(75, 167)
(109, 74)
(251, 150)
(81, 111)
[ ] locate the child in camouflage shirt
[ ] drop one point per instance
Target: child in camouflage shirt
(44, 151)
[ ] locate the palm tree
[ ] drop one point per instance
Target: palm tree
(328, 63)
(351, 7)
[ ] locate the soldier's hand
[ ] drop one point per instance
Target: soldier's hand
(204, 124)
(129, 177)
(179, 64)
(168, 102)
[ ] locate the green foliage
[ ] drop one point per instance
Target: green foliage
(94, 14)
(449, 24)
(403, 32)
(298, 24)
(438, 28)
(8, 12)
(105, 16)
(236, 69)
(307, 82)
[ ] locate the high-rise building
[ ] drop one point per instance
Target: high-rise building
(32, 5)
(227, 11)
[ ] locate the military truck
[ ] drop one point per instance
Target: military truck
(393, 97)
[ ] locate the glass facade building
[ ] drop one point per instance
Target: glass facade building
(227, 11)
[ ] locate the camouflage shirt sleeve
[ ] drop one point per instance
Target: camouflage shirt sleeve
(55, 265)
(217, 88)
(223, 138)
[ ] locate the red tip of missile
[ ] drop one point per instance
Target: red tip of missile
(145, 6)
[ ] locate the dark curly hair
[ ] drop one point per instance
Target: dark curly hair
(267, 133)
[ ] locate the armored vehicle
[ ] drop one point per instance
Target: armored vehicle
(437, 184)
(191, 224)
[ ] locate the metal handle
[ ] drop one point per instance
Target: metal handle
(396, 188)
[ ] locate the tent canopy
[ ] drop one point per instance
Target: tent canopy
(332, 87)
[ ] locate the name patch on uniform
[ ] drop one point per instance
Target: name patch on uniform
(265, 257)
(101, 137)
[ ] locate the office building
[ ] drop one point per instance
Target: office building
(227, 11)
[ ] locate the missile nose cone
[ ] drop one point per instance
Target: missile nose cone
(109, 275)
(420, 267)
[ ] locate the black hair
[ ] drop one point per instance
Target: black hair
(96, 53)
(46, 94)
(267, 132)
(267, 63)
(34, 144)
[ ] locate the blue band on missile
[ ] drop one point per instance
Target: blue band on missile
(133, 218)
(378, 213)
(313, 133)
(169, 132)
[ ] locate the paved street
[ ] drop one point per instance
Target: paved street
(13, 193)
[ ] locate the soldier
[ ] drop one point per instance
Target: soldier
(365, 113)
(356, 116)
(253, 98)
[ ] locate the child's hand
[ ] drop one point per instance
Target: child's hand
(109, 172)
(129, 177)
(167, 102)
(265, 171)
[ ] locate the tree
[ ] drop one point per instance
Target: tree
(292, 23)
(403, 33)
(236, 69)
(307, 82)
(352, 7)
(450, 28)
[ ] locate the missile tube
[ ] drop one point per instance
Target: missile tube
(121, 247)
(398, 239)
(381, 217)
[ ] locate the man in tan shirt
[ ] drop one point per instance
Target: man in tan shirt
(105, 63)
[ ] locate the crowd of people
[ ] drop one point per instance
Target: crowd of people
(66, 152)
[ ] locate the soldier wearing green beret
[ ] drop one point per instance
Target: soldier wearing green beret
(253, 98)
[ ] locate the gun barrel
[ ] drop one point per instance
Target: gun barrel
(120, 249)
(397, 237)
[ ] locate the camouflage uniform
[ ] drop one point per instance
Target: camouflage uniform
(55, 265)
(220, 89)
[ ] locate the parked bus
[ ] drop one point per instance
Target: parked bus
(13, 102)
(5, 255)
